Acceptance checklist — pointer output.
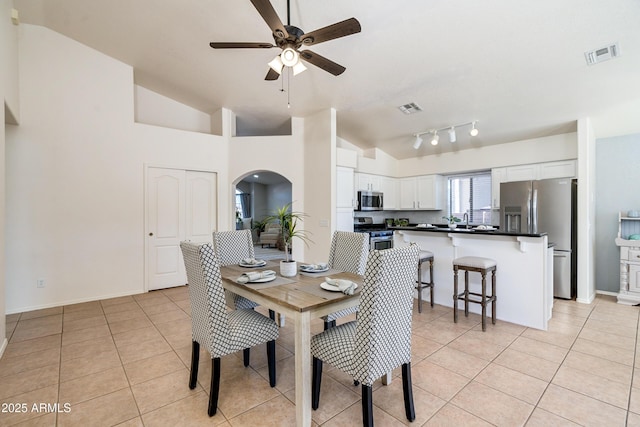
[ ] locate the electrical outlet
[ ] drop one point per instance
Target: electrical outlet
(40, 283)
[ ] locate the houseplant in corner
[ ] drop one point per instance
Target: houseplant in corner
(452, 220)
(288, 221)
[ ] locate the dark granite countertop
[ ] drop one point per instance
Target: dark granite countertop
(463, 230)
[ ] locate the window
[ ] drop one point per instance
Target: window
(239, 209)
(470, 193)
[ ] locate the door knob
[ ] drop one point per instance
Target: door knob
(150, 234)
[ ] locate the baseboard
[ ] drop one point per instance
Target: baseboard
(70, 302)
(612, 294)
(3, 347)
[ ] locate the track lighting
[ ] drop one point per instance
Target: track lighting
(418, 142)
(451, 130)
(452, 134)
(473, 131)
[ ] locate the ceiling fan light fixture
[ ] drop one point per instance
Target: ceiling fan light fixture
(452, 134)
(298, 68)
(418, 142)
(276, 64)
(435, 139)
(473, 131)
(289, 57)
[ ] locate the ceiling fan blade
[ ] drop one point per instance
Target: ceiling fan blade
(337, 30)
(322, 62)
(272, 75)
(240, 45)
(268, 13)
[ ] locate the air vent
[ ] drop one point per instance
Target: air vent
(603, 54)
(410, 108)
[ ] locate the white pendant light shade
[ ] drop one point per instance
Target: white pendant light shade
(298, 68)
(276, 65)
(435, 139)
(418, 142)
(289, 57)
(473, 131)
(452, 134)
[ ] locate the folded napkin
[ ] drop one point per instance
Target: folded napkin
(252, 261)
(257, 275)
(347, 287)
(320, 266)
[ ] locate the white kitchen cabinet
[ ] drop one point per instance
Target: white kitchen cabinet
(423, 192)
(429, 192)
(563, 169)
(368, 182)
(522, 173)
(345, 188)
(497, 178)
(629, 259)
(389, 187)
(344, 219)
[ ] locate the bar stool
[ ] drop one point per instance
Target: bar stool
(424, 256)
(482, 266)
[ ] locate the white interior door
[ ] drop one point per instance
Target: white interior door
(181, 205)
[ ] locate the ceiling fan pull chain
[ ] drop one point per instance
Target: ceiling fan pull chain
(289, 87)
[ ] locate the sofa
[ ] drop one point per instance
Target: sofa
(270, 235)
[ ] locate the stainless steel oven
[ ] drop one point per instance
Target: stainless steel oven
(383, 241)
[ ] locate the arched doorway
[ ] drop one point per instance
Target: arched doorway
(257, 195)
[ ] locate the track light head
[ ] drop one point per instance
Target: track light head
(452, 134)
(473, 131)
(418, 142)
(435, 139)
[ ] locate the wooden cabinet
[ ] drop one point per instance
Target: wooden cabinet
(345, 194)
(422, 192)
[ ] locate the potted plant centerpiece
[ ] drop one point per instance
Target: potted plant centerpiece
(452, 220)
(288, 221)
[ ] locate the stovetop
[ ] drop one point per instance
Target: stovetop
(366, 225)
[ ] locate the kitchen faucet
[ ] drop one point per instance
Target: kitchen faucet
(465, 218)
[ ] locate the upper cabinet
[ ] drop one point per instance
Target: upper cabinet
(497, 177)
(521, 173)
(389, 187)
(422, 192)
(368, 182)
(563, 169)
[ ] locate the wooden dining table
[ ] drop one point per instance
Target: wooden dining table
(301, 299)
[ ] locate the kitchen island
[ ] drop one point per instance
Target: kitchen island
(524, 274)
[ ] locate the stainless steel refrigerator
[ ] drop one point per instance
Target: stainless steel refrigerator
(545, 206)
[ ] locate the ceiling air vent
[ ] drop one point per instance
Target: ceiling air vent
(410, 108)
(603, 54)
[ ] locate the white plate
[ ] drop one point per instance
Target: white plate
(308, 269)
(328, 287)
(260, 264)
(485, 229)
(263, 280)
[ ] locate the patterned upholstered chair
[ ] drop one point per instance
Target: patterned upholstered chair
(380, 339)
(349, 252)
(220, 331)
(231, 247)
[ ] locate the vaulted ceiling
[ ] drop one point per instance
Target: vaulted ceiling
(517, 67)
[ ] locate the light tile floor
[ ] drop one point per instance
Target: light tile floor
(125, 362)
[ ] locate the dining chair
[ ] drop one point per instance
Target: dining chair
(230, 248)
(349, 253)
(220, 331)
(379, 340)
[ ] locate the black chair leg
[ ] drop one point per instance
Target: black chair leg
(271, 362)
(329, 324)
(316, 380)
(272, 315)
(408, 392)
(367, 406)
(195, 359)
(246, 355)
(214, 390)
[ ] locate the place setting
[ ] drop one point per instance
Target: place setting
(261, 279)
(345, 286)
(252, 263)
(318, 269)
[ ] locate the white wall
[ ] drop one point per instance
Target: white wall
(75, 175)
(154, 109)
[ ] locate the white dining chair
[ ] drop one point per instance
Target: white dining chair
(349, 252)
(220, 331)
(379, 340)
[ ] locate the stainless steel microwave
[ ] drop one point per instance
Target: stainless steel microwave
(369, 201)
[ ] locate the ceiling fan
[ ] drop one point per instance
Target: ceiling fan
(290, 39)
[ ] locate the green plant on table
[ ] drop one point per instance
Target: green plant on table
(451, 219)
(288, 221)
